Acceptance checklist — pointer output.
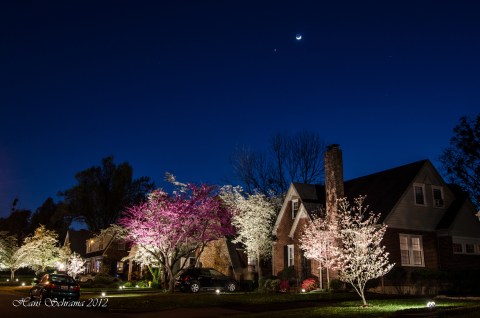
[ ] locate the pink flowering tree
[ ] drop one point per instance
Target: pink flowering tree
(319, 242)
(169, 228)
(361, 256)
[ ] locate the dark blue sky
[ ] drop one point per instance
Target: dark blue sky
(177, 85)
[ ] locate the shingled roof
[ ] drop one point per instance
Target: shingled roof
(454, 208)
(383, 189)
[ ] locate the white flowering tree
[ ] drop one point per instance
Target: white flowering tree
(75, 265)
(253, 217)
(361, 256)
(10, 257)
(41, 250)
(319, 242)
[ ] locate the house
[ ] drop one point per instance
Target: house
(431, 225)
(226, 257)
(105, 253)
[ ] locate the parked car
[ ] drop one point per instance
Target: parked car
(58, 286)
(196, 279)
(91, 277)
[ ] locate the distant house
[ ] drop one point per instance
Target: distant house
(104, 254)
(431, 225)
(226, 257)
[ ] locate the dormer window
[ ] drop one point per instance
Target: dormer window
(294, 208)
(419, 193)
(438, 197)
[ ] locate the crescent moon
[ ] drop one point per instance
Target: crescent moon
(298, 37)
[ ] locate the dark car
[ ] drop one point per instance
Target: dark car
(196, 279)
(58, 286)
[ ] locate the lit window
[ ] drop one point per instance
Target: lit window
(419, 192)
(119, 267)
(294, 208)
(290, 258)
(438, 197)
(411, 248)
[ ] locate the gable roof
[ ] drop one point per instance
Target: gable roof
(454, 208)
(383, 189)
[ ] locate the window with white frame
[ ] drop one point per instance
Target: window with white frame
(411, 249)
(294, 208)
(437, 197)
(457, 248)
(290, 256)
(419, 193)
(465, 245)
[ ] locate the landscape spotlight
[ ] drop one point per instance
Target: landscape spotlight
(303, 290)
(16, 279)
(8, 280)
(217, 291)
(103, 294)
(431, 304)
(23, 284)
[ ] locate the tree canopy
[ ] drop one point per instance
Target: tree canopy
(461, 160)
(289, 158)
(167, 228)
(103, 192)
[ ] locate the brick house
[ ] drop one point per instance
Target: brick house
(431, 225)
(105, 254)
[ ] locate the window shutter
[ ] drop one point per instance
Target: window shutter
(285, 256)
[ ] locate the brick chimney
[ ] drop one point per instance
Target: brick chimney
(333, 178)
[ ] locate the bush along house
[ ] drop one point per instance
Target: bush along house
(433, 232)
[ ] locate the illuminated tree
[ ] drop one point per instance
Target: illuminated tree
(41, 250)
(253, 216)
(319, 242)
(9, 254)
(171, 227)
(75, 265)
(360, 256)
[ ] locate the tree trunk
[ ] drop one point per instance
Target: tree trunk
(259, 268)
(12, 274)
(362, 294)
(320, 276)
(171, 279)
(328, 278)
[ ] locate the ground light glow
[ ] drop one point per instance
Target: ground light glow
(23, 284)
(431, 304)
(104, 294)
(217, 291)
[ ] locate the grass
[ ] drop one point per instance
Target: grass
(290, 305)
(282, 305)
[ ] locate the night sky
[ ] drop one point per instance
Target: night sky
(178, 85)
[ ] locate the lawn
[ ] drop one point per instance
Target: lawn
(294, 305)
(280, 305)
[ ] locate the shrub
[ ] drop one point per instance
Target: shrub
(309, 284)
(287, 273)
(130, 283)
(336, 285)
(142, 284)
(284, 285)
(274, 286)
